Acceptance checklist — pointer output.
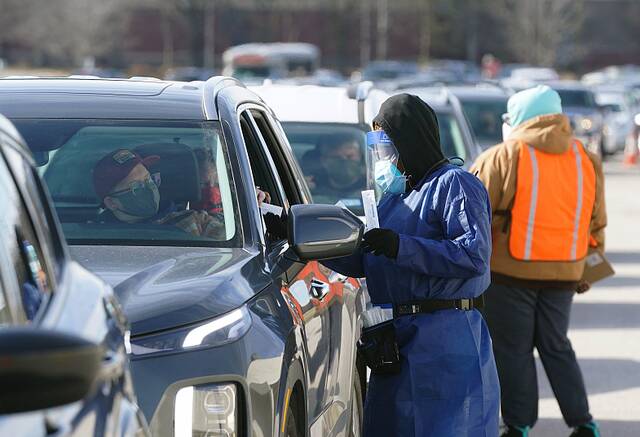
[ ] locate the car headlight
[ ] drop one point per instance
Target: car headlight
(217, 332)
(587, 124)
(206, 411)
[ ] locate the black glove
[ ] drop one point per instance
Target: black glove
(381, 242)
(276, 225)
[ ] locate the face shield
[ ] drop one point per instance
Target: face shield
(382, 164)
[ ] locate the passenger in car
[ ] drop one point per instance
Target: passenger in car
(211, 198)
(129, 194)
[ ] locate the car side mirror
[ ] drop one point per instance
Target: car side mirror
(43, 369)
(320, 232)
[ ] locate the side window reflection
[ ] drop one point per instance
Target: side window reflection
(22, 248)
(35, 282)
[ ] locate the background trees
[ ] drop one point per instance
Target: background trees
(561, 33)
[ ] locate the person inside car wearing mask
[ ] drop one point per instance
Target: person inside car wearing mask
(341, 171)
(130, 194)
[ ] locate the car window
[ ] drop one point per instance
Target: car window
(23, 248)
(157, 183)
(285, 173)
(264, 175)
(332, 157)
(577, 98)
(37, 203)
(5, 312)
(451, 138)
(485, 117)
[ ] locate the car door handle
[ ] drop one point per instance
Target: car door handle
(318, 289)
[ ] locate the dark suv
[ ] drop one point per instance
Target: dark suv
(63, 361)
(235, 331)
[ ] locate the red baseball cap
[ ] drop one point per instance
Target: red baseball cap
(116, 166)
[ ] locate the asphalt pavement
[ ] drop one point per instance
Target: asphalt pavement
(605, 322)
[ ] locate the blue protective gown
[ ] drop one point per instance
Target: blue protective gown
(448, 386)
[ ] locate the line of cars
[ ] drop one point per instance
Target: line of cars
(239, 334)
(235, 333)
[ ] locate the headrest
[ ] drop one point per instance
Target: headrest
(178, 168)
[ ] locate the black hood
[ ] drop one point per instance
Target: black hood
(413, 127)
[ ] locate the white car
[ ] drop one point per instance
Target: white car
(620, 109)
(326, 127)
(522, 78)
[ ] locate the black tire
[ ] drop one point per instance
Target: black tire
(357, 406)
(291, 427)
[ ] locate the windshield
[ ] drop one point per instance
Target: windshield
(137, 182)
(617, 102)
(451, 139)
(485, 117)
(252, 72)
(577, 98)
(332, 157)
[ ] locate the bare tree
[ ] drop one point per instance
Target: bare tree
(538, 28)
(14, 12)
(72, 30)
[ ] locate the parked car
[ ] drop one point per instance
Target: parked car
(388, 70)
(326, 128)
(579, 103)
(456, 136)
(527, 77)
(619, 109)
(63, 336)
(484, 106)
(255, 62)
(234, 331)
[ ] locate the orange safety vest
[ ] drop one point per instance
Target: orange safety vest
(552, 209)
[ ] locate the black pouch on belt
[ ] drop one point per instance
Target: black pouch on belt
(379, 348)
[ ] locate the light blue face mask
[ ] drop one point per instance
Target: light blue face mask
(389, 178)
(384, 156)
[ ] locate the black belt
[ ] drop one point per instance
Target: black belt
(433, 305)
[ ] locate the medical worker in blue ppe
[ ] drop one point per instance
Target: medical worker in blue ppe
(430, 260)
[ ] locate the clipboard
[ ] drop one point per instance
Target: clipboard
(596, 266)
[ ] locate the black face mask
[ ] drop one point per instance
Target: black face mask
(344, 172)
(141, 201)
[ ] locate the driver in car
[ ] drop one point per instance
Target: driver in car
(130, 194)
(341, 169)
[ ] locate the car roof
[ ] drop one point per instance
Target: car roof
(317, 104)
(610, 89)
(436, 97)
(88, 97)
(569, 85)
(480, 92)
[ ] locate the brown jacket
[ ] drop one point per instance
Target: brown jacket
(497, 169)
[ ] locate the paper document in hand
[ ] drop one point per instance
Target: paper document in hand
(266, 208)
(370, 210)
